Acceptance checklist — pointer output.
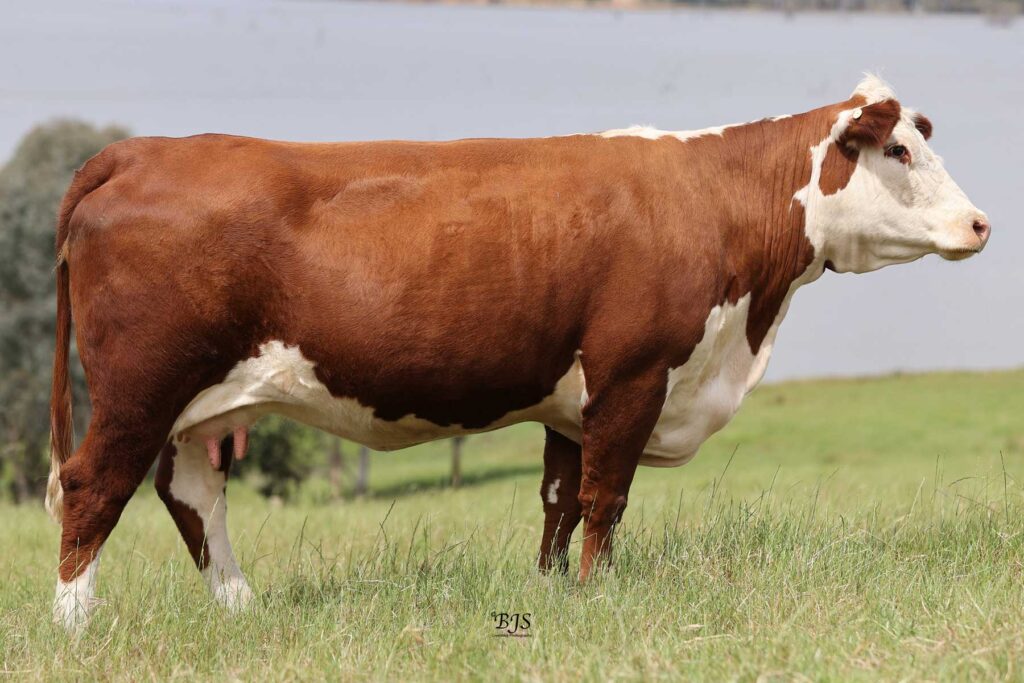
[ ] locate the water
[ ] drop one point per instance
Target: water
(332, 71)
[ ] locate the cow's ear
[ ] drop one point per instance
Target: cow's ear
(923, 125)
(871, 125)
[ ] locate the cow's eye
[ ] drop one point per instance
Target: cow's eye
(899, 152)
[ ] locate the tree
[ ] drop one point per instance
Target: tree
(284, 453)
(457, 460)
(338, 469)
(335, 466)
(32, 184)
(362, 486)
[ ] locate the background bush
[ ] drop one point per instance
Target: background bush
(31, 186)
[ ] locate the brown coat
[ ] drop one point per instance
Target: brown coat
(454, 282)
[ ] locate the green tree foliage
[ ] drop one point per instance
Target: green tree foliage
(281, 455)
(31, 186)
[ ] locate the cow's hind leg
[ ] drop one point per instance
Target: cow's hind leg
(559, 492)
(195, 495)
(98, 480)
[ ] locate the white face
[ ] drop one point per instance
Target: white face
(899, 205)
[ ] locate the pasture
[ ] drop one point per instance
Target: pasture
(837, 530)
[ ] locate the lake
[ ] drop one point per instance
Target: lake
(333, 71)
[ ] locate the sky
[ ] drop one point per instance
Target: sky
(323, 70)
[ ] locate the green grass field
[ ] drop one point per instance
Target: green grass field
(862, 530)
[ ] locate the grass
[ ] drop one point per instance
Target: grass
(837, 530)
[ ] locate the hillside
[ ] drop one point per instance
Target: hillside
(864, 529)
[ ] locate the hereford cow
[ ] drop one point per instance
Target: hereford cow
(623, 288)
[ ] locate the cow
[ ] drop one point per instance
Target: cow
(624, 289)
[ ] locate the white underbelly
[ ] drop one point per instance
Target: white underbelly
(702, 396)
(281, 380)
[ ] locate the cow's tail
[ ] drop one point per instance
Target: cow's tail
(94, 173)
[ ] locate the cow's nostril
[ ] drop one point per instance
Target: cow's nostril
(982, 229)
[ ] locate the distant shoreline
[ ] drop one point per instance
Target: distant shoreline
(999, 11)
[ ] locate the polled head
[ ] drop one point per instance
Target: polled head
(883, 196)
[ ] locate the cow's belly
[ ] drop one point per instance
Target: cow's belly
(281, 380)
(702, 396)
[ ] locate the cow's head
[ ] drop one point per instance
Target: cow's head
(879, 195)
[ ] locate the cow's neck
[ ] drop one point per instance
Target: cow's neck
(768, 248)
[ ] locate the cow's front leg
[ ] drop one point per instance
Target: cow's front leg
(618, 419)
(559, 492)
(195, 495)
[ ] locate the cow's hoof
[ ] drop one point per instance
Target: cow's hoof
(233, 594)
(70, 610)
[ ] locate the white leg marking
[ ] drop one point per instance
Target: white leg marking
(553, 491)
(201, 487)
(76, 598)
(228, 587)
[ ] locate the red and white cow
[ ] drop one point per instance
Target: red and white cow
(624, 289)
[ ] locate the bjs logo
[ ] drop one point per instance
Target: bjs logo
(512, 624)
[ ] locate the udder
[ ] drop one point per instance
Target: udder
(213, 431)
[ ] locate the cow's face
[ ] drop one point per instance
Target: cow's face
(898, 202)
